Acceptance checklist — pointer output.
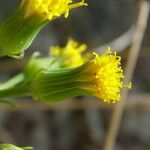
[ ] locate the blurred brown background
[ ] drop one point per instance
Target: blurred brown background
(82, 123)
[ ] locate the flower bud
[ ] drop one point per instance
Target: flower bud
(20, 29)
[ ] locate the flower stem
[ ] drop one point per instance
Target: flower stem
(13, 81)
(18, 90)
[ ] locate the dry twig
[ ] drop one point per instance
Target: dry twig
(131, 63)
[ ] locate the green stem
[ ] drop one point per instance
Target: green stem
(20, 90)
(13, 81)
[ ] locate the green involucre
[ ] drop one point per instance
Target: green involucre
(18, 32)
(56, 85)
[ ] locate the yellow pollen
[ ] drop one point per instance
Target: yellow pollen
(52, 9)
(71, 53)
(107, 77)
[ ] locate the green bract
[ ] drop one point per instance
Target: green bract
(18, 32)
(56, 85)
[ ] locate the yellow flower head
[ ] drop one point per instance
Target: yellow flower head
(51, 9)
(71, 54)
(106, 77)
(101, 76)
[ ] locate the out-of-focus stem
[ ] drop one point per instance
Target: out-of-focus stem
(133, 56)
(20, 90)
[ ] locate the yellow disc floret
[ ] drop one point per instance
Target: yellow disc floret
(51, 9)
(107, 76)
(71, 53)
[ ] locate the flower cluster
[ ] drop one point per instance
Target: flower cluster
(68, 73)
